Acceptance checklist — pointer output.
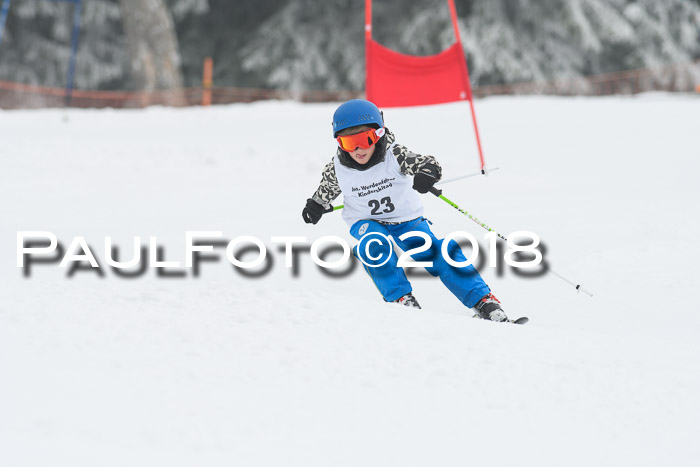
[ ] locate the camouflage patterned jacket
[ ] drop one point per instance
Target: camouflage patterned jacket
(409, 164)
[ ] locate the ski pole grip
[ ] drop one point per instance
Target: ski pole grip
(435, 191)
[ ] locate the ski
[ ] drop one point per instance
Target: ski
(521, 320)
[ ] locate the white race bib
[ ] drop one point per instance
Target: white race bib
(381, 192)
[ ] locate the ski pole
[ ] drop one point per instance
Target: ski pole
(481, 172)
(438, 192)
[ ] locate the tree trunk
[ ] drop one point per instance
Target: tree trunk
(153, 49)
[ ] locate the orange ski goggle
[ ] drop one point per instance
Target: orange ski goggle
(363, 140)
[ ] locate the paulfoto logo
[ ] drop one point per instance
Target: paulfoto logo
(373, 250)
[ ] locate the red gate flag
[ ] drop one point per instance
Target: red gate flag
(394, 79)
(398, 80)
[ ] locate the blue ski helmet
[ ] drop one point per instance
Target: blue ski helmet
(356, 112)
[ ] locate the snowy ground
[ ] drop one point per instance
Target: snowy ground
(309, 370)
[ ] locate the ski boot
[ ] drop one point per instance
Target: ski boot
(490, 308)
(408, 300)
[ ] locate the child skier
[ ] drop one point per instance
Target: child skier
(374, 174)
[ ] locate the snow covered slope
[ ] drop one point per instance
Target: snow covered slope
(310, 370)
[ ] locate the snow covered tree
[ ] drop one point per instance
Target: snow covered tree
(220, 29)
(37, 44)
(510, 41)
(304, 45)
(308, 44)
(506, 41)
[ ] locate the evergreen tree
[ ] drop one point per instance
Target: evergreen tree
(219, 29)
(37, 44)
(311, 44)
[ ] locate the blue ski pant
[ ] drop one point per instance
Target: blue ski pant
(465, 283)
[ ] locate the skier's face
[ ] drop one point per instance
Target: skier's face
(362, 156)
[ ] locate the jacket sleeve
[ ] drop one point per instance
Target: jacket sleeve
(328, 189)
(410, 163)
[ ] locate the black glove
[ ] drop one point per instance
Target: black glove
(313, 211)
(425, 178)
